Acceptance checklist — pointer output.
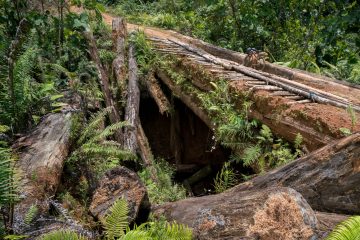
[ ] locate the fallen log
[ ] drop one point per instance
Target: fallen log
(276, 213)
(291, 86)
(157, 94)
(328, 178)
(327, 222)
(145, 152)
(119, 35)
(176, 142)
(119, 183)
(186, 99)
(41, 158)
(104, 83)
(132, 104)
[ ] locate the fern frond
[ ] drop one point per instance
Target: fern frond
(8, 184)
(225, 179)
(108, 131)
(116, 220)
(298, 141)
(346, 230)
(251, 155)
(163, 230)
(95, 122)
(31, 214)
(136, 235)
(62, 235)
(106, 151)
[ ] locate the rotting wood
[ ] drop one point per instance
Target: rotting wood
(328, 178)
(41, 158)
(119, 35)
(176, 143)
(298, 88)
(104, 83)
(275, 213)
(132, 104)
(196, 177)
(186, 99)
(145, 152)
(157, 94)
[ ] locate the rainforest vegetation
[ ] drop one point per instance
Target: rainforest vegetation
(57, 58)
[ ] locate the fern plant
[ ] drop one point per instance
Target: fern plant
(116, 227)
(115, 222)
(62, 235)
(8, 186)
(164, 190)
(31, 214)
(346, 230)
(225, 179)
(95, 148)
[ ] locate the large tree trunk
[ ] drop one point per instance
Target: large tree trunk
(132, 104)
(41, 159)
(276, 213)
(104, 83)
(328, 178)
(119, 34)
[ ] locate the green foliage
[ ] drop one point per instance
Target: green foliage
(352, 115)
(165, 190)
(8, 185)
(116, 227)
(62, 235)
(116, 220)
(269, 152)
(307, 36)
(225, 179)
(346, 230)
(31, 214)
(345, 131)
(95, 150)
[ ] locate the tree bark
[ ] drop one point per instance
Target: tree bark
(145, 152)
(291, 86)
(186, 99)
(328, 178)
(276, 213)
(41, 158)
(104, 83)
(157, 94)
(132, 104)
(119, 35)
(176, 143)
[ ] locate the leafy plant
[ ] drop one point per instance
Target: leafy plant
(62, 235)
(115, 222)
(31, 214)
(116, 227)
(8, 183)
(165, 189)
(94, 147)
(346, 230)
(225, 179)
(269, 152)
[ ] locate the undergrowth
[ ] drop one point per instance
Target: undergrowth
(165, 190)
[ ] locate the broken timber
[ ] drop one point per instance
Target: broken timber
(104, 83)
(119, 35)
(328, 178)
(135, 139)
(157, 94)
